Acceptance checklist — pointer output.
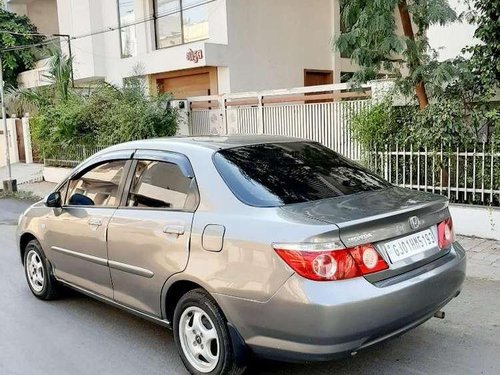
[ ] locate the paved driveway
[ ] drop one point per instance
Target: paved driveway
(10, 209)
(80, 336)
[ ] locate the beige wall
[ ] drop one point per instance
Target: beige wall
(43, 13)
(272, 42)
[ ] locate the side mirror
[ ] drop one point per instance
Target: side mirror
(54, 200)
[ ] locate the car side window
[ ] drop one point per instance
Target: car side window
(97, 187)
(159, 185)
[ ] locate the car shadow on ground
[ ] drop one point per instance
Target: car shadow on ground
(158, 342)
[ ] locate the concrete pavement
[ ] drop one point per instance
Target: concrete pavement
(79, 336)
(23, 173)
(10, 209)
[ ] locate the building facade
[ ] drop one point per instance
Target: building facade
(194, 47)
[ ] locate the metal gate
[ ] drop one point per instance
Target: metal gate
(319, 113)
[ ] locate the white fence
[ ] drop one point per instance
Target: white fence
(69, 156)
(319, 113)
(463, 175)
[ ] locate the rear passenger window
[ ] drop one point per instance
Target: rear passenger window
(159, 185)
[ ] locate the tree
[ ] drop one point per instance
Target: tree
(17, 31)
(485, 59)
(372, 42)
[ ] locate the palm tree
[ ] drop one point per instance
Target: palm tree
(59, 74)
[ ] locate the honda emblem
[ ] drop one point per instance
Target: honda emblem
(414, 222)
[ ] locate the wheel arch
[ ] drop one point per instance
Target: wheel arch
(24, 240)
(173, 293)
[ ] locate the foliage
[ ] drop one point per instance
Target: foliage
(485, 60)
(17, 61)
(440, 123)
(60, 74)
(63, 124)
(375, 125)
(109, 115)
(59, 69)
(459, 112)
(370, 39)
(128, 113)
(103, 115)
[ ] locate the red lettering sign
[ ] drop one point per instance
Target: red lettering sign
(194, 56)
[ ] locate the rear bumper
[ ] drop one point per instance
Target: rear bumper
(307, 320)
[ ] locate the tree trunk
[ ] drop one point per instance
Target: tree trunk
(423, 100)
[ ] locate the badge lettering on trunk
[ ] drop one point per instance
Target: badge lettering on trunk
(414, 222)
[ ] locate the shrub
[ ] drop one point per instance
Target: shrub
(107, 115)
(381, 124)
(443, 122)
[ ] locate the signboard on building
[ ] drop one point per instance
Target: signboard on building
(194, 56)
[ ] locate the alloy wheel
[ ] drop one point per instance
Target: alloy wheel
(199, 339)
(35, 271)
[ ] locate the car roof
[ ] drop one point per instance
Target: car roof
(214, 143)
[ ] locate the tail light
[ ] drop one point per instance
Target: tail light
(446, 235)
(323, 262)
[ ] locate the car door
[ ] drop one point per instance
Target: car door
(148, 235)
(76, 233)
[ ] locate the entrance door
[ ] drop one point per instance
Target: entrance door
(20, 141)
(148, 238)
(77, 236)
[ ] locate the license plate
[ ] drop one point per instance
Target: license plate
(409, 246)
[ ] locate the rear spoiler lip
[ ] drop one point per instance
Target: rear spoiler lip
(418, 207)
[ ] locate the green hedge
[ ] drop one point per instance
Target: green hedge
(105, 115)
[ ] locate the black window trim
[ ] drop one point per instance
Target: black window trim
(181, 14)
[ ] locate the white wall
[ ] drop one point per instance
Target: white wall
(476, 221)
(75, 19)
(451, 39)
(99, 56)
(257, 44)
(272, 42)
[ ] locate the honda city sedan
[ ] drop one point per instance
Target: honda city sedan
(245, 245)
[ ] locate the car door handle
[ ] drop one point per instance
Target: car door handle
(174, 229)
(93, 221)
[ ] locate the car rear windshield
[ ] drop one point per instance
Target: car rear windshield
(276, 174)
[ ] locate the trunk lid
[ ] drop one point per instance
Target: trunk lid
(378, 217)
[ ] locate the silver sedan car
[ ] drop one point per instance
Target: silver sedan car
(269, 246)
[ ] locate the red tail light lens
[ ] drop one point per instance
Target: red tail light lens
(314, 263)
(446, 235)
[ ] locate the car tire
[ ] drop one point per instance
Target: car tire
(202, 336)
(39, 273)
